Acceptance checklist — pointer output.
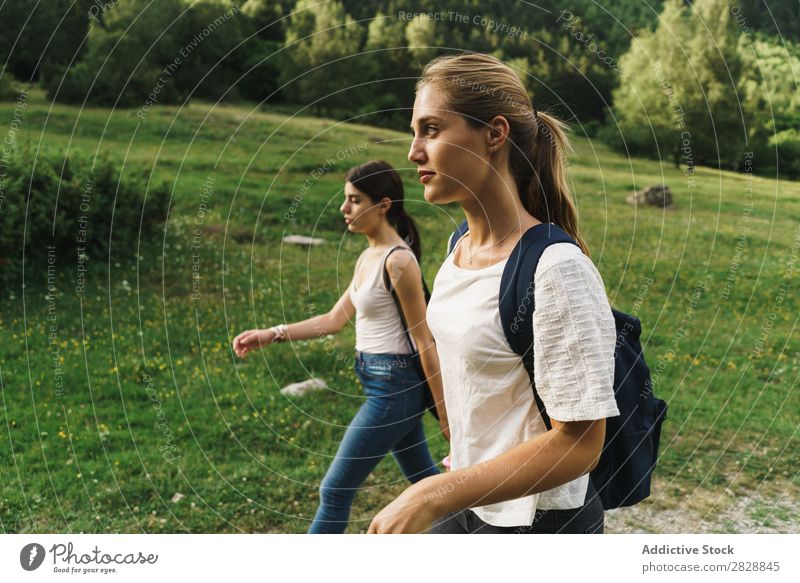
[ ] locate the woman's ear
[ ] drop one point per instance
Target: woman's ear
(385, 204)
(497, 134)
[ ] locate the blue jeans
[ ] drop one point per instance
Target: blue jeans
(389, 420)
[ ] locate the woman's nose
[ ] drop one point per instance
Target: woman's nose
(343, 208)
(416, 152)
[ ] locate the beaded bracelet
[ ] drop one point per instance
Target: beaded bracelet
(280, 332)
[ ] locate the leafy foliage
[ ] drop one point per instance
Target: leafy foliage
(74, 205)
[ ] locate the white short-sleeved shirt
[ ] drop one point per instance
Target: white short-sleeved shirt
(488, 393)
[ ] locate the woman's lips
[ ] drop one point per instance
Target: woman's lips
(426, 176)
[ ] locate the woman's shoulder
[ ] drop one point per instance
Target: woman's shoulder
(400, 256)
(564, 254)
(564, 270)
(400, 262)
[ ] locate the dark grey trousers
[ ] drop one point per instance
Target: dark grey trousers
(588, 519)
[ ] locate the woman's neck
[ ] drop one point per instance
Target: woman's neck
(384, 236)
(495, 213)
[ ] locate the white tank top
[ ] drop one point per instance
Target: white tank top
(379, 329)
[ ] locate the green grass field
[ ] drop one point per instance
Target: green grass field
(153, 402)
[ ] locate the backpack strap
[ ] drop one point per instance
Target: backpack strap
(430, 404)
(457, 234)
(388, 281)
(517, 295)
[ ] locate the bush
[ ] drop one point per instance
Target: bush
(787, 144)
(6, 89)
(12, 89)
(73, 203)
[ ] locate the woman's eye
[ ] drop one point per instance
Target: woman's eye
(429, 129)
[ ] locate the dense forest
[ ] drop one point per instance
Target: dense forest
(639, 75)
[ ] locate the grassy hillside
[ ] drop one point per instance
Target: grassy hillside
(117, 398)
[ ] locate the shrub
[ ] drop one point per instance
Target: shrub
(787, 144)
(73, 203)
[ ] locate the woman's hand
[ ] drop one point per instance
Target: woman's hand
(252, 340)
(413, 511)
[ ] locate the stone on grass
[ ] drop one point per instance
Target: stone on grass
(303, 240)
(658, 195)
(304, 387)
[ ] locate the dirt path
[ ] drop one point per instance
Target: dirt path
(773, 507)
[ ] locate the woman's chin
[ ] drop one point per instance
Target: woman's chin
(434, 196)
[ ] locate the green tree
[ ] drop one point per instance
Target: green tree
(388, 32)
(171, 49)
(319, 40)
(682, 88)
(775, 90)
(774, 95)
(266, 17)
(778, 19)
(647, 114)
(39, 37)
(421, 38)
(393, 93)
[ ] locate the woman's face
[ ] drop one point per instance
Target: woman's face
(451, 156)
(361, 215)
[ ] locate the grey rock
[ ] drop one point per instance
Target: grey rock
(304, 387)
(302, 240)
(658, 195)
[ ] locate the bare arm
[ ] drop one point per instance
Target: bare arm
(560, 455)
(573, 446)
(556, 457)
(406, 278)
(328, 323)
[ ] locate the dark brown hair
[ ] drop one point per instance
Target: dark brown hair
(378, 179)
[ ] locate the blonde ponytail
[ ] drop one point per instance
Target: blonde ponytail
(480, 87)
(548, 196)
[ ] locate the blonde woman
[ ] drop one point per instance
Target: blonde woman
(480, 142)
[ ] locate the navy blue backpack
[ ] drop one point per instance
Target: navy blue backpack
(623, 474)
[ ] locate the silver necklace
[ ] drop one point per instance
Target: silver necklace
(472, 256)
